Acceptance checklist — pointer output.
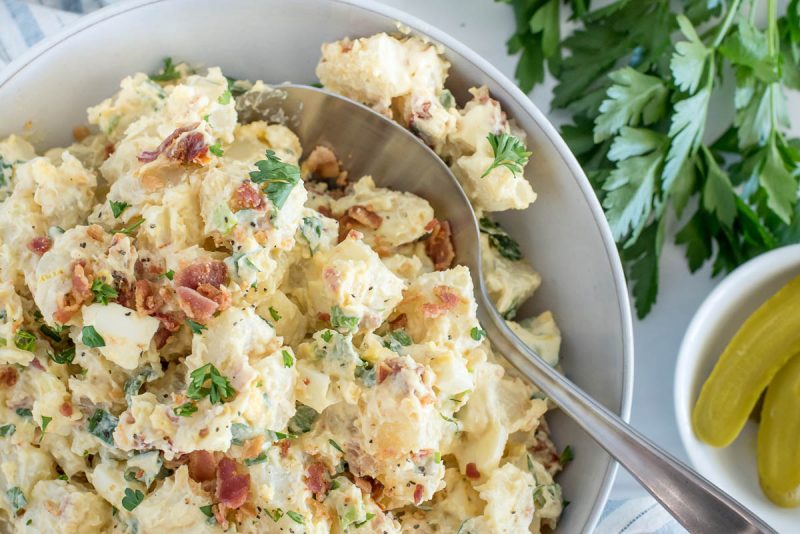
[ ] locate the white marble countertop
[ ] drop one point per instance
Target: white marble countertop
(485, 25)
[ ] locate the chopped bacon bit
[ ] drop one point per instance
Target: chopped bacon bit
(388, 368)
(324, 317)
(364, 484)
(472, 471)
(219, 295)
(419, 492)
(202, 271)
(365, 216)
(81, 286)
(151, 155)
(346, 224)
(172, 321)
(79, 133)
(161, 336)
(8, 376)
(191, 148)
(203, 432)
(439, 245)
(401, 321)
(425, 111)
(247, 197)
(202, 466)
(65, 409)
(284, 445)
(326, 211)
(232, 488)
(317, 480)
(220, 512)
(147, 299)
(448, 300)
(96, 232)
(195, 305)
(36, 364)
(252, 447)
(40, 245)
(109, 149)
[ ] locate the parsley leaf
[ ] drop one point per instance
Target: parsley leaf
(343, 322)
(274, 314)
(207, 381)
(91, 338)
(168, 72)
(186, 409)
(294, 516)
(288, 360)
(302, 420)
(279, 178)
(16, 499)
(103, 292)
(25, 340)
(216, 149)
(566, 456)
(500, 240)
(117, 207)
(477, 333)
(102, 425)
(132, 499)
(7, 430)
(131, 229)
(509, 152)
(64, 356)
(207, 510)
(634, 99)
(196, 328)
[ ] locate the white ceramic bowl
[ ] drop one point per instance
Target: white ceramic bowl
(715, 323)
(565, 233)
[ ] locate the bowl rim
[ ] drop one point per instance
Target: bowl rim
(760, 268)
(113, 10)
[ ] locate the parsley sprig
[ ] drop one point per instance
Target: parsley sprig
(639, 80)
(207, 381)
(509, 152)
(168, 72)
(278, 178)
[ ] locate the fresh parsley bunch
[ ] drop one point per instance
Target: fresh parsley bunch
(640, 80)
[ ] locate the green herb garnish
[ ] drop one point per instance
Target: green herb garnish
(206, 381)
(500, 240)
(103, 292)
(477, 333)
(278, 178)
(168, 72)
(91, 338)
(102, 424)
(196, 328)
(216, 149)
(509, 152)
(274, 314)
(132, 499)
(117, 207)
(340, 321)
(25, 340)
(288, 360)
(186, 409)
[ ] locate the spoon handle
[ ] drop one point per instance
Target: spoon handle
(697, 504)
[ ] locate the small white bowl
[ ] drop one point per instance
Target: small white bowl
(716, 321)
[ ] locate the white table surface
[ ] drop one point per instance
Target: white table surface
(485, 25)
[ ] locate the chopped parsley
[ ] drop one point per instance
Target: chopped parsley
(216, 149)
(275, 514)
(335, 446)
(261, 458)
(509, 152)
(103, 292)
(302, 420)
(279, 178)
(186, 409)
(24, 412)
(274, 314)
(196, 328)
(226, 97)
(397, 339)
(135, 383)
(327, 335)
(207, 510)
(25, 340)
(169, 275)
(446, 99)
(91, 338)
(16, 499)
(131, 230)
(7, 430)
(117, 207)
(45, 421)
(500, 240)
(340, 321)
(53, 332)
(288, 360)
(369, 517)
(102, 425)
(477, 333)
(168, 72)
(132, 499)
(294, 516)
(567, 455)
(218, 390)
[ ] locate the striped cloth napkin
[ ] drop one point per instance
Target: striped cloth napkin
(23, 24)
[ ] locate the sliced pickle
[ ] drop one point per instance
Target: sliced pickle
(779, 437)
(762, 346)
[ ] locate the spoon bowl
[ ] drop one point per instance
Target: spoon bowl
(371, 144)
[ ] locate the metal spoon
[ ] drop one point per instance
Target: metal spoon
(369, 143)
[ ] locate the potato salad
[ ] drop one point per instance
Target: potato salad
(206, 327)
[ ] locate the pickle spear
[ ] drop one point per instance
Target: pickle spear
(764, 343)
(779, 437)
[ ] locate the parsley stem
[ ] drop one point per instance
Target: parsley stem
(772, 41)
(726, 24)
